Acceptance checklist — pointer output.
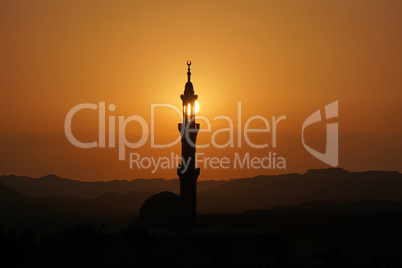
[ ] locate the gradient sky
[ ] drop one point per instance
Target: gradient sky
(276, 57)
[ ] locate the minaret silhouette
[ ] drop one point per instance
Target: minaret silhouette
(187, 171)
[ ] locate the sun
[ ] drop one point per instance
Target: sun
(197, 107)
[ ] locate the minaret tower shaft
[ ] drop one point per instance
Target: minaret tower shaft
(187, 171)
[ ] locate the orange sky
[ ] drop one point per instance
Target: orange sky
(276, 57)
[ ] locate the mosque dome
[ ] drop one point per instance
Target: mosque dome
(165, 210)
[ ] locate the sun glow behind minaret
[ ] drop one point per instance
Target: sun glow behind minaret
(197, 108)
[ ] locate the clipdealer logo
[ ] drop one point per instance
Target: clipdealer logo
(245, 161)
(330, 156)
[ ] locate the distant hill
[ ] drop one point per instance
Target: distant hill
(52, 185)
(375, 207)
(334, 185)
(11, 200)
(110, 202)
(353, 206)
(50, 214)
(20, 211)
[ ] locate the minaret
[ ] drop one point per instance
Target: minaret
(187, 171)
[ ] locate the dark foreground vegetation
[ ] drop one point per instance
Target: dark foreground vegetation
(308, 235)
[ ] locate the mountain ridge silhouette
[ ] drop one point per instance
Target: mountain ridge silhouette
(334, 185)
(51, 185)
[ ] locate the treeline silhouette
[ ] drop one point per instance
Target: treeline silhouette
(90, 245)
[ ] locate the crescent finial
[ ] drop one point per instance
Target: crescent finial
(188, 70)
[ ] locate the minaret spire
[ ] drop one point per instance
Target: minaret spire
(187, 171)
